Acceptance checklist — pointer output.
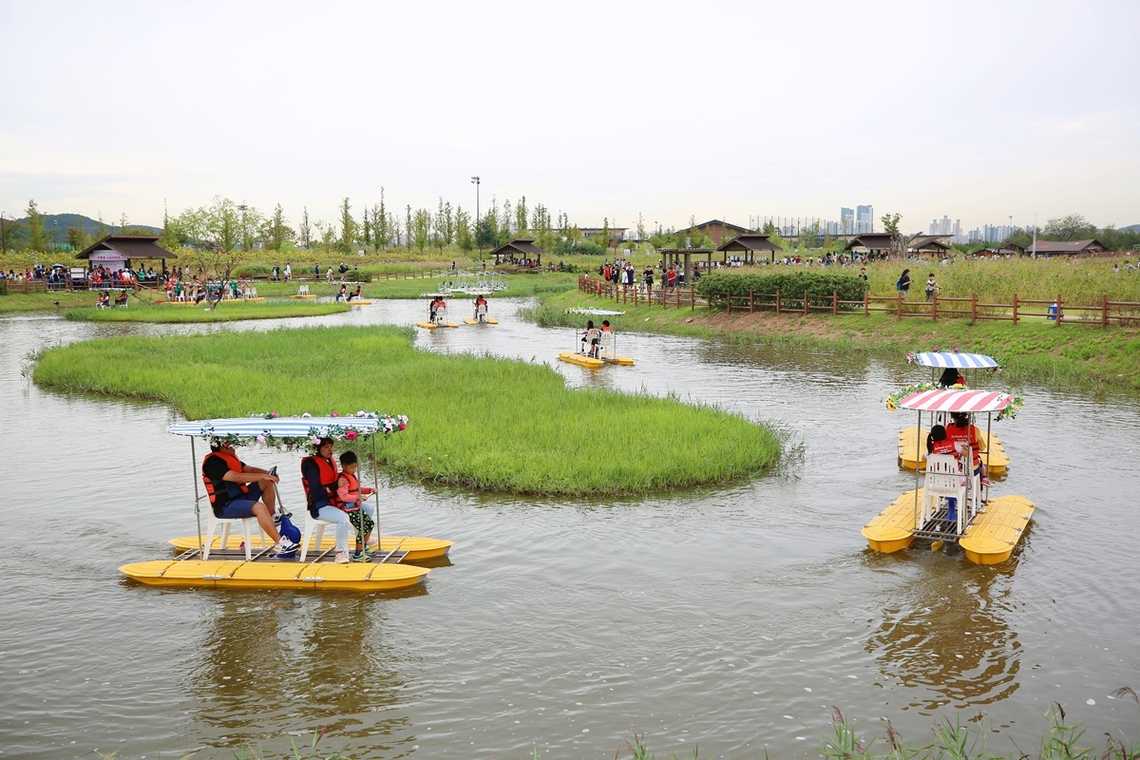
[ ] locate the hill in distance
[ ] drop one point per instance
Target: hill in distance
(1131, 228)
(57, 225)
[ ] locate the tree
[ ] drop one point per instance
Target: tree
(439, 227)
(463, 230)
(366, 230)
(37, 237)
(347, 226)
(505, 222)
(1071, 227)
(408, 225)
(421, 228)
(520, 215)
(487, 230)
(605, 241)
(277, 229)
(383, 221)
(76, 238)
(891, 227)
(306, 230)
(640, 228)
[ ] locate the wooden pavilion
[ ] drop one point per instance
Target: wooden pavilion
(115, 252)
(674, 257)
(747, 244)
(518, 251)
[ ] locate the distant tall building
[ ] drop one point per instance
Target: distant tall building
(864, 219)
(847, 220)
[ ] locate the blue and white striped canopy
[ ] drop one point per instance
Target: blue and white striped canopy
(953, 359)
(278, 427)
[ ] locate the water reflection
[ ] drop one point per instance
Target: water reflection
(947, 632)
(322, 662)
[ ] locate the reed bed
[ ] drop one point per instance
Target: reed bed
(226, 311)
(480, 423)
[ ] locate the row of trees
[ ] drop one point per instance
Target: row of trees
(229, 226)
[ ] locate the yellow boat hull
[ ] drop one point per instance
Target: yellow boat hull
(272, 574)
(582, 361)
(912, 453)
(996, 530)
(892, 530)
(988, 540)
(418, 548)
(487, 321)
(303, 297)
(427, 325)
(359, 302)
(621, 361)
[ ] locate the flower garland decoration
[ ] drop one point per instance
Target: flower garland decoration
(345, 431)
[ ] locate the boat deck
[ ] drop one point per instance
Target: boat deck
(988, 540)
(276, 574)
(415, 548)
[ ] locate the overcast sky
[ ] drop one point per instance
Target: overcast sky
(705, 109)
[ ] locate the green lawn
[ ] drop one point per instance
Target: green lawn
(482, 423)
(1067, 355)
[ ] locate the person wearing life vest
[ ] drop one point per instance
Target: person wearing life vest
(951, 377)
(235, 491)
(319, 476)
(938, 441)
(350, 494)
(480, 308)
(960, 431)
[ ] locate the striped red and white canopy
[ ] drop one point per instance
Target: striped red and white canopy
(956, 400)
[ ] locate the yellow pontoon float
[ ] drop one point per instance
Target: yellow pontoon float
(910, 456)
(247, 561)
(953, 505)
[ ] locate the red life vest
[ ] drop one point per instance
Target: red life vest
(327, 471)
(945, 446)
(354, 489)
(213, 488)
(966, 434)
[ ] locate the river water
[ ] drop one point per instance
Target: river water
(730, 619)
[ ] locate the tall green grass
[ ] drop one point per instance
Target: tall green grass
(226, 311)
(1078, 281)
(481, 423)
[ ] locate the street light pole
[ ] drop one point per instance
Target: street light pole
(475, 181)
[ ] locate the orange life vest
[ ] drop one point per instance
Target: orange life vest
(354, 489)
(213, 488)
(328, 474)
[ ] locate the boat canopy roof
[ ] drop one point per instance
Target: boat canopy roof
(277, 427)
(956, 400)
(954, 359)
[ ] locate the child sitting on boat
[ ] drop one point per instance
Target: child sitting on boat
(355, 295)
(480, 308)
(351, 495)
(590, 339)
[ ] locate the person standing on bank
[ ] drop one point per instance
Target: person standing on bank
(235, 491)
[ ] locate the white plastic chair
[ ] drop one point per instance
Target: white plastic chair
(212, 528)
(312, 525)
(944, 479)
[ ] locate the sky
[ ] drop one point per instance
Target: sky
(732, 110)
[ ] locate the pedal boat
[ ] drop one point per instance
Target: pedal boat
(487, 321)
(987, 529)
(223, 563)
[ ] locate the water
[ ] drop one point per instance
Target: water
(732, 619)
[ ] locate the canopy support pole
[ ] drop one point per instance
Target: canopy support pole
(197, 497)
(917, 460)
(989, 443)
(376, 485)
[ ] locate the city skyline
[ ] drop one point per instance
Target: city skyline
(170, 110)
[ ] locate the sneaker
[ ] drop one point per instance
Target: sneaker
(286, 549)
(342, 558)
(362, 557)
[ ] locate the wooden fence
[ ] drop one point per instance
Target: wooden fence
(1058, 310)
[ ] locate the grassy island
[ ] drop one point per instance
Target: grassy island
(482, 423)
(227, 311)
